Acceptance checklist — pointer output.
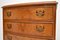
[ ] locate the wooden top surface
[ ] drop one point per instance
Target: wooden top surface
(30, 3)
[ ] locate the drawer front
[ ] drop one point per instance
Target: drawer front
(30, 13)
(30, 29)
(12, 27)
(15, 37)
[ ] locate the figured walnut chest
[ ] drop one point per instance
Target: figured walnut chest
(29, 21)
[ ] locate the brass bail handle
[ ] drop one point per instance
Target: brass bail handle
(40, 12)
(40, 28)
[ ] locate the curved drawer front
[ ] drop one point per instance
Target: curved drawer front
(39, 29)
(30, 29)
(30, 13)
(14, 37)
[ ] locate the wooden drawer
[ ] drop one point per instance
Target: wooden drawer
(30, 29)
(30, 13)
(30, 21)
(15, 37)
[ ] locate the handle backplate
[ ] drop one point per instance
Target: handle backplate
(40, 12)
(40, 28)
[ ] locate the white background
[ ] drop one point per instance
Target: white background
(7, 2)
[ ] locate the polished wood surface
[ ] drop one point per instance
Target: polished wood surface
(31, 21)
(29, 13)
(31, 3)
(14, 37)
(30, 29)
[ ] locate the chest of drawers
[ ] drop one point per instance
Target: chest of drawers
(29, 21)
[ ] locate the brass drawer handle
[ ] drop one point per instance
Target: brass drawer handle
(8, 13)
(40, 13)
(9, 37)
(40, 28)
(9, 26)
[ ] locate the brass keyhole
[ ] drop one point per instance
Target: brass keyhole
(9, 26)
(9, 13)
(9, 37)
